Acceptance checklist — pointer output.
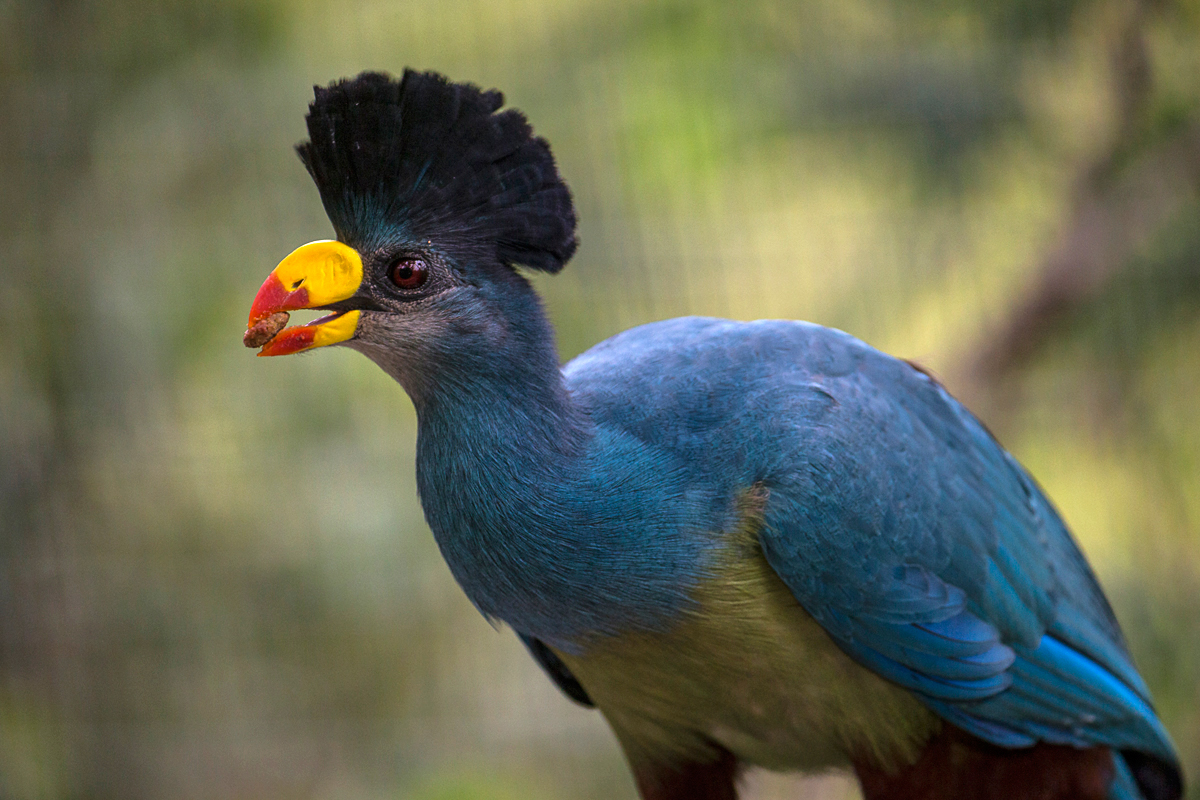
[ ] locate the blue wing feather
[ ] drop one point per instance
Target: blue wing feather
(895, 519)
(1124, 786)
(989, 535)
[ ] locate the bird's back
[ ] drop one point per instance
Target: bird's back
(741, 403)
(894, 518)
(746, 403)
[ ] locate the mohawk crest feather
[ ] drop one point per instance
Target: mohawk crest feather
(436, 158)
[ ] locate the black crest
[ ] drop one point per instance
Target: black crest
(439, 161)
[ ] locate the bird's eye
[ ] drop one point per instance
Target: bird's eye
(408, 273)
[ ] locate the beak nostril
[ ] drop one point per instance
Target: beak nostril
(296, 285)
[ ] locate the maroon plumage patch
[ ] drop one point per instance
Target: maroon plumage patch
(713, 780)
(956, 765)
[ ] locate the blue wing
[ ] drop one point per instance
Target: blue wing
(932, 557)
(896, 520)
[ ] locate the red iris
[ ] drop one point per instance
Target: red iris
(408, 273)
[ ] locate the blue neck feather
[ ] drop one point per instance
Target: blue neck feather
(561, 527)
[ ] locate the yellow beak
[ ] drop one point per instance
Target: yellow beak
(313, 275)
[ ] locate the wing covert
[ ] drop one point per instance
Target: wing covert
(932, 558)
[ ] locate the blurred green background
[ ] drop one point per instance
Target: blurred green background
(215, 580)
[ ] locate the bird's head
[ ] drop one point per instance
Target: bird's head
(435, 196)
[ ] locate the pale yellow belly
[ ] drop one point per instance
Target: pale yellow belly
(752, 671)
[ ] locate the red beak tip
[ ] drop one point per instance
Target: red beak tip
(273, 297)
(289, 340)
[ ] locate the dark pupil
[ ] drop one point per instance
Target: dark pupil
(408, 274)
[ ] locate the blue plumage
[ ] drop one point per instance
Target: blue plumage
(897, 521)
(763, 541)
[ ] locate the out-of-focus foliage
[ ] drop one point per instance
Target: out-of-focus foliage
(215, 581)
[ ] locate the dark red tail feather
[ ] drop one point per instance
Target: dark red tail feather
(715, 780)
(957, 765)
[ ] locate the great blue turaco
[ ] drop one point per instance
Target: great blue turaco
(745, 543)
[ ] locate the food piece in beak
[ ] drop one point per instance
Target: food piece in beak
(265, 329)
(316, 275)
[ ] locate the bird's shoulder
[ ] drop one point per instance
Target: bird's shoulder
(685, 374)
